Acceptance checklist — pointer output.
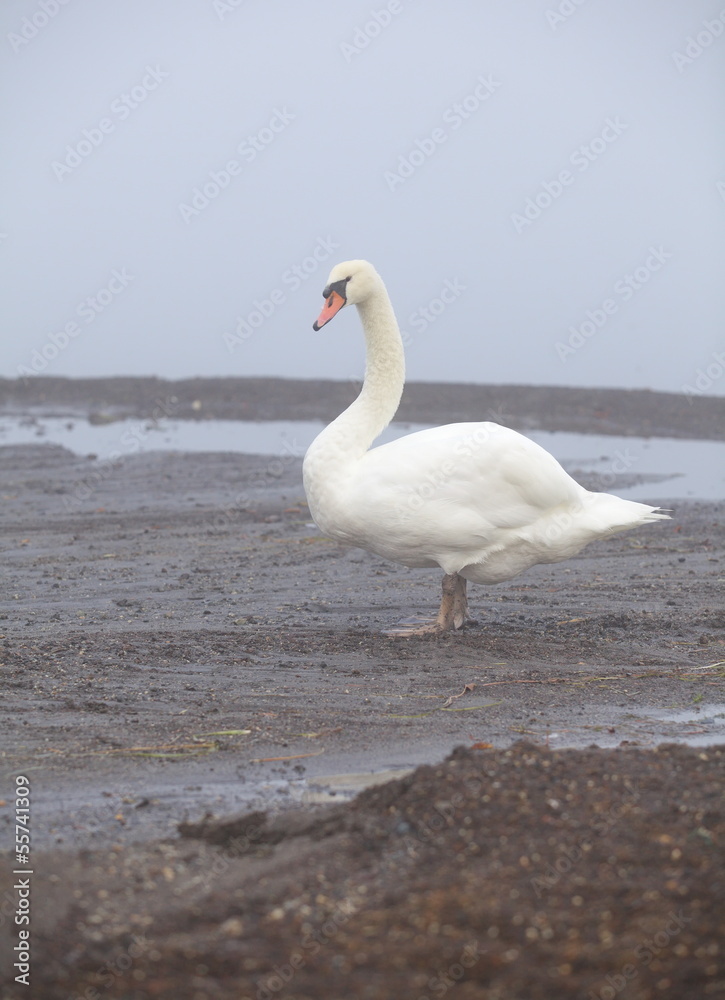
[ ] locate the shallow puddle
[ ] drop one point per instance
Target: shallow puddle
(698, 727)
(341, 787)
(669, 468)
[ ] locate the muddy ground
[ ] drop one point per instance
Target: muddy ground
(635, 413)
(177, 641)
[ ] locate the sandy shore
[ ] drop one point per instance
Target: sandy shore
(180, 642)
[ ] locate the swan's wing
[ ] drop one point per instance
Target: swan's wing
(475, 498)
(450, 495)
(505, 478)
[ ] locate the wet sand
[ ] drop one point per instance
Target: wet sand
(178, 641)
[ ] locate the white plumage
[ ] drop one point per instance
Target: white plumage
(479, 500)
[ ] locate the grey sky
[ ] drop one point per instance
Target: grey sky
(296, 128)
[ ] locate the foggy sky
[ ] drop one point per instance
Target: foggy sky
(540, 184)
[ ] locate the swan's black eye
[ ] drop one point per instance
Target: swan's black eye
(349, 278)
(336, 286)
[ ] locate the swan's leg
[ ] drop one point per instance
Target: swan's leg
(452, 614)
(454, 603)
(460, 601)
(446, 612)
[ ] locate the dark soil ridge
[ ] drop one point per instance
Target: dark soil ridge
(512, 873)
(625, 412)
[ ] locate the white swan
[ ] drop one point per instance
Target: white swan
(479, 500)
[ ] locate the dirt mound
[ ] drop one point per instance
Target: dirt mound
(505, 873)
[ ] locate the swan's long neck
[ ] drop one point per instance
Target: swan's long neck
(356, 428)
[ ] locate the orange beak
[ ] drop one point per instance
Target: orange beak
(333, 304)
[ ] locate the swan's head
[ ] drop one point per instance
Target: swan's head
(349, 283)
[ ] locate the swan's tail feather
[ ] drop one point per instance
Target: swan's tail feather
(655, 514)
(622, 515)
